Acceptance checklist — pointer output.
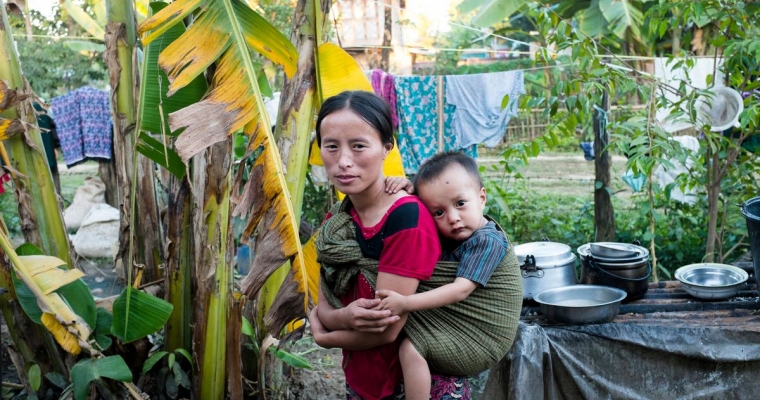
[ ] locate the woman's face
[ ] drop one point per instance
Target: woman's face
(352, 152)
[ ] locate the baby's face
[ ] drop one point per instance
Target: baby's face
(456, 202)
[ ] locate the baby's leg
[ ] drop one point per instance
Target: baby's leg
(416, 372)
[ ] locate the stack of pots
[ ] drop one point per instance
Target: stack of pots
(545, 265)
(620, 265)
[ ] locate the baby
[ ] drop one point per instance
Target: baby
(451, 188)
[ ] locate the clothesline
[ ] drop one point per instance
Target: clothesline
(57, 37)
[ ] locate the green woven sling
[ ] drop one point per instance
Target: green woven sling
(460, 339)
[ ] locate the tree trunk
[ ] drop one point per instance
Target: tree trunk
(604, 215)
(107, 173)
(120, 40)
(385, 52)
(212, 278)
(713, 191)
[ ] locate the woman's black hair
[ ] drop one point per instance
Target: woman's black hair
(371, 108)
(434, 166)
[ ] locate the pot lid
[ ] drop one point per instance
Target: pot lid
(631, 252)
(547, 254)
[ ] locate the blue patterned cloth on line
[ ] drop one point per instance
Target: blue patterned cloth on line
(479, 117)
(417, 109)
(83, 122)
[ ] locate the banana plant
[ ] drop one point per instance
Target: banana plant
(223, 33)
(94, 23)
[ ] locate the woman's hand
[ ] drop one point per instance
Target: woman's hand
(364, 316)
(391, 301)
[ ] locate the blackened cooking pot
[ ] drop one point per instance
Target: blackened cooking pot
(629, 274)
(545, 265)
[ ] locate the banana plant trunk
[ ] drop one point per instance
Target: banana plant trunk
(38, 206)
(293, 134)
(179, 265)
(212, 277)
(139, 214)
(39, 212)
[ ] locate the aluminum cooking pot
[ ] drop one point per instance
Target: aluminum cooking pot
(545, 265)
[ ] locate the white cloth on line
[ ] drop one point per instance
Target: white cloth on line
(695, 77)
(666, 176)
(478, 117)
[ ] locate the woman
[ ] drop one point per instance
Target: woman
(355, 135)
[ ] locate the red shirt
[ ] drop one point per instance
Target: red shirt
(405, 242)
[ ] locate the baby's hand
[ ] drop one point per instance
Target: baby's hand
(392, 301)
(395, 183)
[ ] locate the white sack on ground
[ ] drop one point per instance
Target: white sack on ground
(99, 232)
(92, 191)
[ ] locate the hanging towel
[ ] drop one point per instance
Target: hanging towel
(83, 121)
(588, 150)
(479, 117)
(382, 84)
(417, 107)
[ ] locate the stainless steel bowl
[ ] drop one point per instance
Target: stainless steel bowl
(710, 281)
(580, 304)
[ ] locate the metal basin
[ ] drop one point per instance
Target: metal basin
(710, 281)
(580, 304)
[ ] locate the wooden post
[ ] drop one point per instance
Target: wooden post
(604, 215)
(439, 94)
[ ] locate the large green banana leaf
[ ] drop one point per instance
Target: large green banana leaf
(622, 15)
(93, 27)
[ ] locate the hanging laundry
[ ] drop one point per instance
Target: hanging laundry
(417, 107)
(673, 72)
(479, 117)
(4, 178)
(666, 175)
(383, 85)
(588, 150)
(49, 135)
(83, 122)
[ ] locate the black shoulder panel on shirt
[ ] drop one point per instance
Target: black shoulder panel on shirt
(406, 216)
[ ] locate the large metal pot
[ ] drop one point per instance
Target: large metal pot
(545, 265)
(630, 274)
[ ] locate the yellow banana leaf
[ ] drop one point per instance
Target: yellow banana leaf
(43, 277)
(61, 334)
(312, 267)
(10, 127)
(142, 9)
(266, 197)
(225, 32)
(339, 72)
